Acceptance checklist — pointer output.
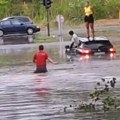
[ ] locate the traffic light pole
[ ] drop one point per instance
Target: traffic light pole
(48, 23)
(47, 4)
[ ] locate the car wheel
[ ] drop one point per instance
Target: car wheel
(29, 31)
(1, 33)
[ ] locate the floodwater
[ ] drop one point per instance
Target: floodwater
(28, 96)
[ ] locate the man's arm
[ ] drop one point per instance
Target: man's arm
(50, 60)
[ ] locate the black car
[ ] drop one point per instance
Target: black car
(24, 19)
(98, 46)
(13, 26)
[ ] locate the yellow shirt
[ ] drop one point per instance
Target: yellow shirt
(88, 11)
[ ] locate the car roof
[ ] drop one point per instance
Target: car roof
(15, 17)
(84, 39)
(7, 19)
(93, 44)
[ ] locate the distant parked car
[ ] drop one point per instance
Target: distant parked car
(14, 26)
(25, 19)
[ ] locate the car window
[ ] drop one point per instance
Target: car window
(7, 22)
(23, 19)
(92, 45)
(15, 22)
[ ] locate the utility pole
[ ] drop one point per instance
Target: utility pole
(119, 15)
(47, 4)
(48, 22)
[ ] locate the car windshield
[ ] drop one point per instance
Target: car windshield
(96, 44)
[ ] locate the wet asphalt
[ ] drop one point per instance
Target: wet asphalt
(28, 96)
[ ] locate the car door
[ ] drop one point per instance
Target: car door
(6, 26)
(18, 26)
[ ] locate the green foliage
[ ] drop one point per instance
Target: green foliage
(109, 102)
(101, 95)
(72, 10)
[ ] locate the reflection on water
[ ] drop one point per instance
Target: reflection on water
(87, 57)
(28, 96)
(44, 96)
(110, 56)
(18, 56)
(24, 54)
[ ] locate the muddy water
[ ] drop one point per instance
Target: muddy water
(28, 96)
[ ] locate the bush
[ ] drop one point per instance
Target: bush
(72, 10)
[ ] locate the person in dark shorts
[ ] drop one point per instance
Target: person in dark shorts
(40, 59)
(89, 19)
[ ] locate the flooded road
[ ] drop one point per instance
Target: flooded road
(28, 96)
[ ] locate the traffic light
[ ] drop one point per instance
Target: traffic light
(47, 3)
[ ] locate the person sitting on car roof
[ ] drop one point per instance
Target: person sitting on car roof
(75, 42)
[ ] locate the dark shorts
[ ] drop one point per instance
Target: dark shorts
(41, 69)
(89, 19)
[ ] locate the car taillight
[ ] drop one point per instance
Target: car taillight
(112, 50)
(85, 51)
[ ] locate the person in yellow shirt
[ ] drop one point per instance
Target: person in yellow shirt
(89, 19)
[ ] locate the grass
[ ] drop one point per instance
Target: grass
(45, 39)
